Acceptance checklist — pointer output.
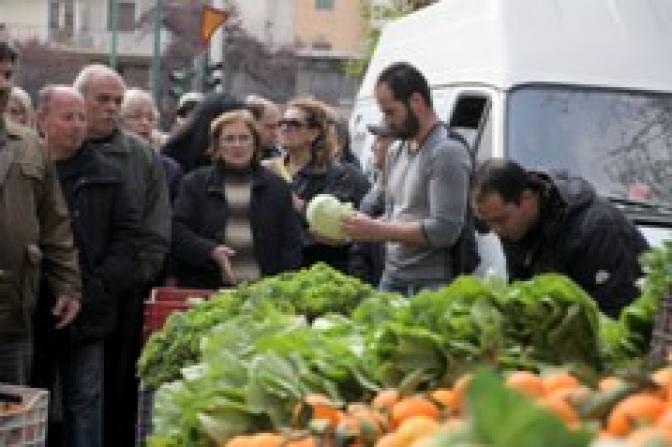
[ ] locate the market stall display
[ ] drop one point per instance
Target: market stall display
(240, 363)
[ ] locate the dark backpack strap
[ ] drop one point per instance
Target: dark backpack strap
(464, 252)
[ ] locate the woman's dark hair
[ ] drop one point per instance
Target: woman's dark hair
(323, 149)
(403, 79)
(189, 146)
(504, 177)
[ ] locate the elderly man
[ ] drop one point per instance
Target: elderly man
(35, 237)
(267, 115)
(105, 227)
(103, 91)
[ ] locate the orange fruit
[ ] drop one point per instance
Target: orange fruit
(424, 441)
(559, 380)
(359, 429)
(355, 407)
(264, 440)
(321, 408)
(633, 411)
(388, 440)
(527, 383)
(649, 436)
(665, 420)
(415, 428)
(573, 396)
(307, 441)
(459, 390)
(413, 406)
(238, 441)
(385, 399)
(663, 377)
(445, 398)
(561, 409)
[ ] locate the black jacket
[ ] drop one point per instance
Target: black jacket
(345, 182)
(106, 228)
(584, 237)
(200, 214)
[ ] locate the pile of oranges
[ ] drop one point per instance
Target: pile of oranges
(639, 419)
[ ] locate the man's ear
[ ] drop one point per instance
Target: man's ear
(528, 199)
(416, 103)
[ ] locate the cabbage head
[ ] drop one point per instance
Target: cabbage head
(325, 213)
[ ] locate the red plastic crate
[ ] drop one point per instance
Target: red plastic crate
(177, 294)
(163, 301)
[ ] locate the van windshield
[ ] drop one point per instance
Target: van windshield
(620, 141)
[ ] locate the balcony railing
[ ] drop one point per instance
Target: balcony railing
(91, 40)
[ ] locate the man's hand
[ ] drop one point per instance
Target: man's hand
(66, 309)
(360, 227)
(222, 254)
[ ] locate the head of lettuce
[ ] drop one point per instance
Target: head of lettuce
(325, 214)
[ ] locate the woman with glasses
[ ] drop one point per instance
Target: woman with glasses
(311, 167)
(233, 220)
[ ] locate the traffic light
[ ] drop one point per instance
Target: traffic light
(213, 76)
(180, 81)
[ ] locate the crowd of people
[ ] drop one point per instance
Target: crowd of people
(99, 206)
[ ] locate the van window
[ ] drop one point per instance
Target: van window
(469, 115)
(620, 141)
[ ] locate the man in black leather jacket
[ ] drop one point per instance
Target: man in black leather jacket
(106, 230)
(550, 222)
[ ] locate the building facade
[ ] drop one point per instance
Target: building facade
(86, 27)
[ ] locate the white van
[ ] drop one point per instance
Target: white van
(579, 85)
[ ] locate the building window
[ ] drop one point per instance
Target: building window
(324, 4)
(126, 18)
(54, 15)
(61, 14)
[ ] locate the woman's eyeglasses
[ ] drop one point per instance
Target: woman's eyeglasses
(291, 123)
(233, 139)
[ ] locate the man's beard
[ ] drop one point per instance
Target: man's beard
(410, 127)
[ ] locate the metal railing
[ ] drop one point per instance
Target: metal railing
(90, 40)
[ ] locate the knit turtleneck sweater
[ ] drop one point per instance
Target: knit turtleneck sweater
(237, 233)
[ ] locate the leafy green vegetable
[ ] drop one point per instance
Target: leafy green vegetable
(254, 372)
(626, 341)
(325, 213)
(312, 293)
(546, 320)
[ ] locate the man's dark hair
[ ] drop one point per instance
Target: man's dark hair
(504, 177)
(8, 52)
(404, 79)
(189, 146)
(256, 109)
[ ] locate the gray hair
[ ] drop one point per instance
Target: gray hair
(135, 96)
(92, 71)
(22, 97)
(260, 103)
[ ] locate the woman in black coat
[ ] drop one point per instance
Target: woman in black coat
(311, 166)
(233, 220)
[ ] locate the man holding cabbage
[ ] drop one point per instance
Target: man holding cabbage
(425, 191)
